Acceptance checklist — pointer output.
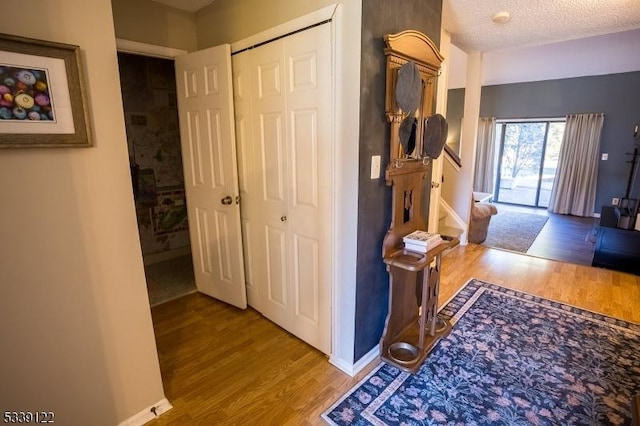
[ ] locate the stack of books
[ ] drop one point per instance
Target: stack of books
(421, 241)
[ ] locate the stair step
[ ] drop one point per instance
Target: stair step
(450, 231)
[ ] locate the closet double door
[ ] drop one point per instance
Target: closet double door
(284, 128)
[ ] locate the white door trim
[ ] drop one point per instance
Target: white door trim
(145, 49)
(347, 30)
(304, 21)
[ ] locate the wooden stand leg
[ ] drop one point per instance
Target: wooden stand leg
(410, 331)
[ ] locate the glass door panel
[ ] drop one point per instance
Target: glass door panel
(528, 159)
(521, 154)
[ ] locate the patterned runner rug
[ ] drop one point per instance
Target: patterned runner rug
(511, 358)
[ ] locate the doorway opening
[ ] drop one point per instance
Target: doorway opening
(528, 153)
(527, 162)
(153, 138)
(203, 138)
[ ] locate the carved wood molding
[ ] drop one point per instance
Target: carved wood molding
(415, 46)
(402, 47)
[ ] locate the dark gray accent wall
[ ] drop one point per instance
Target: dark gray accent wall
(379, 17)
(615, 95)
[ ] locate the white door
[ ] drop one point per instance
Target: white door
(284, 122)
(207, 134)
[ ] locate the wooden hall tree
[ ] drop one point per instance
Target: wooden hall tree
(412, 327)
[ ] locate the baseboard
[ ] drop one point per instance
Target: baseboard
(452, 219)
(152, 258)
(352, 369)
(148, 414)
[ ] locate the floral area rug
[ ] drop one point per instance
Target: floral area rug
(511, 358)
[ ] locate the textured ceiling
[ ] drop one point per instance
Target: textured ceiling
(534, 22)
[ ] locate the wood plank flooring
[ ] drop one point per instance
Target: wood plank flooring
(224, 366)
(563, 237)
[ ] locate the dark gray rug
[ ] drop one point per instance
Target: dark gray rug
(513, 230)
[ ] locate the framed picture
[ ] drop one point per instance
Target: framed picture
(42, 102)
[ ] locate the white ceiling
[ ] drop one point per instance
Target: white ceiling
(534, 22)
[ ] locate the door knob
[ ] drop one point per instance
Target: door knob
(227, 200)
(283, 218)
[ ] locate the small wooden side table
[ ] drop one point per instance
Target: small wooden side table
(413, 327)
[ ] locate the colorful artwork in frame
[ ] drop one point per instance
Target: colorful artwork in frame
(42, 103)
(24, 94)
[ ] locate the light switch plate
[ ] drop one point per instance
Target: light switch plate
(375, 167)
(605, 156)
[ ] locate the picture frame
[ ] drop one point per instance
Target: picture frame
(42, 98)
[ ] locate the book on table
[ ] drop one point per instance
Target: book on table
(421, 241)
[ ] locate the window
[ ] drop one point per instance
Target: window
(528, 157)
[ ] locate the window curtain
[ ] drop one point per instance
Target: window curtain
(485, 155)
(574, 187)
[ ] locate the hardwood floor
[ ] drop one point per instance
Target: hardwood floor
(566, 238)
(563, 237)
(224, 366)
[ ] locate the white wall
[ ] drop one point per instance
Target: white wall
(458, 68)
(607, 54)
(457, 187)
(227, 21)
(75, 322)
(462, 198)
(150, 22)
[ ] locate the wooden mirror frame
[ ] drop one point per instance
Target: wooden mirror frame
(401, 48)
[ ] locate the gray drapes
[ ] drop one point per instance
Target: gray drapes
(485, 155)
(574, 188)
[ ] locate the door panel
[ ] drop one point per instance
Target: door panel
(269, 79)
(305, 157)
(247, 245)
(204, 244)
(288, 188)
(272, 151)
(244, 155)
(276, 266)
(215, 148)
(310, 215)
(270, 206)
(194, 149)
(247, 169)
(205, 108)
(306, 277)
(222, 244)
